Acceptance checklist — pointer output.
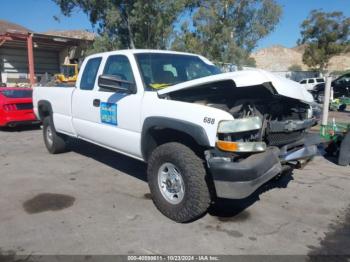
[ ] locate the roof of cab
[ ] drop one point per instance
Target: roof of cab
(137, 51)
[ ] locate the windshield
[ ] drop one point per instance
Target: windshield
(12, 93)
(162, 70)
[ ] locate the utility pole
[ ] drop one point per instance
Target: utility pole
(30, 59)
(327, 96)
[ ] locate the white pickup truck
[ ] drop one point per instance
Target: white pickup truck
(204, 134)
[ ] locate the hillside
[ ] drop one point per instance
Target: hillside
(279, 58)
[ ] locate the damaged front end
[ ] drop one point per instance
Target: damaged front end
(268, 130)
(252, 150)
(262, 118)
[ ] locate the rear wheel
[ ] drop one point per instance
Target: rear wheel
(176, 177)
(54, 142)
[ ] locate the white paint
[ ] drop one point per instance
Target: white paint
(75, 115)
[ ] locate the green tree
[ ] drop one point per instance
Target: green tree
(325, 35)
(227, 30)
(295, 67)
(129, 23)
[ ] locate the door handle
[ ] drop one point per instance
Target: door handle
(96, 102)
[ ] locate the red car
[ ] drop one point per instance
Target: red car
(16, 107)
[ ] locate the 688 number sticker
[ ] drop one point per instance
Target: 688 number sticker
(209, 120)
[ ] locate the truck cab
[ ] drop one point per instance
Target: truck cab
(204, 134)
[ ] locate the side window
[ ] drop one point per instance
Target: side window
(119, 65)
(303, 82)
(88, 78)
(311, 81)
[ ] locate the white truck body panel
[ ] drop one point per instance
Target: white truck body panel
(246, 78)
(193, 113)
(61, 106)
(75, 115)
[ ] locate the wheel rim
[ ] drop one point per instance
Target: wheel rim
(49, 135)
(170, 183)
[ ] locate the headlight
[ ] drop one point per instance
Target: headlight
(240, 125)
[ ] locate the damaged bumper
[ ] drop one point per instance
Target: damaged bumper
(237, 180)
(305, 148)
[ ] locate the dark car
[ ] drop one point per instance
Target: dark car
(341, 87)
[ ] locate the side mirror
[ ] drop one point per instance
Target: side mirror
(114, 84)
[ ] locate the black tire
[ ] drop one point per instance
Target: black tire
(196, 198)
(58, 141)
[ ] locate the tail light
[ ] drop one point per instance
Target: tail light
(10, 107)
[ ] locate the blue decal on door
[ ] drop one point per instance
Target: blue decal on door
(109, 113)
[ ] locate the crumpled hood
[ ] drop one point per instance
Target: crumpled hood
(245, 78)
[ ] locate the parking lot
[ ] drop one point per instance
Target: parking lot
(93, 201)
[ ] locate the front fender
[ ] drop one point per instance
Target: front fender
(185, 112)
(195, 131)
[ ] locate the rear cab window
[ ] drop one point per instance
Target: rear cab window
(88, 78)
(311, 81)
(15, 93)
(320, 80)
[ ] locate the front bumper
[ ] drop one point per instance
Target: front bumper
(303, 149)
(237, 180)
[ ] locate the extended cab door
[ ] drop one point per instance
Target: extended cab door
(109, 118)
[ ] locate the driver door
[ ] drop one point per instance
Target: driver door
(111, 119)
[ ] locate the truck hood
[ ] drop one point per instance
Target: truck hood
(246, 78)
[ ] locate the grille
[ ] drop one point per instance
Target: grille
(24, 106)
(280, 139)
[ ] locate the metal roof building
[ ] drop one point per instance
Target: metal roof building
(25, 56)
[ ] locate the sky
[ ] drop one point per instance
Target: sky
(38, 15)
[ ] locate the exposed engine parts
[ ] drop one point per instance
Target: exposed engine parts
(284, 120)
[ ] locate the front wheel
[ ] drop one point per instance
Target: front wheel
(177, 181)
(54, 142)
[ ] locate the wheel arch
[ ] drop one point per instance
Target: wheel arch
(44, 109)
(160, 130)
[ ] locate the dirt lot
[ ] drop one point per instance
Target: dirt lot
(93, 201)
